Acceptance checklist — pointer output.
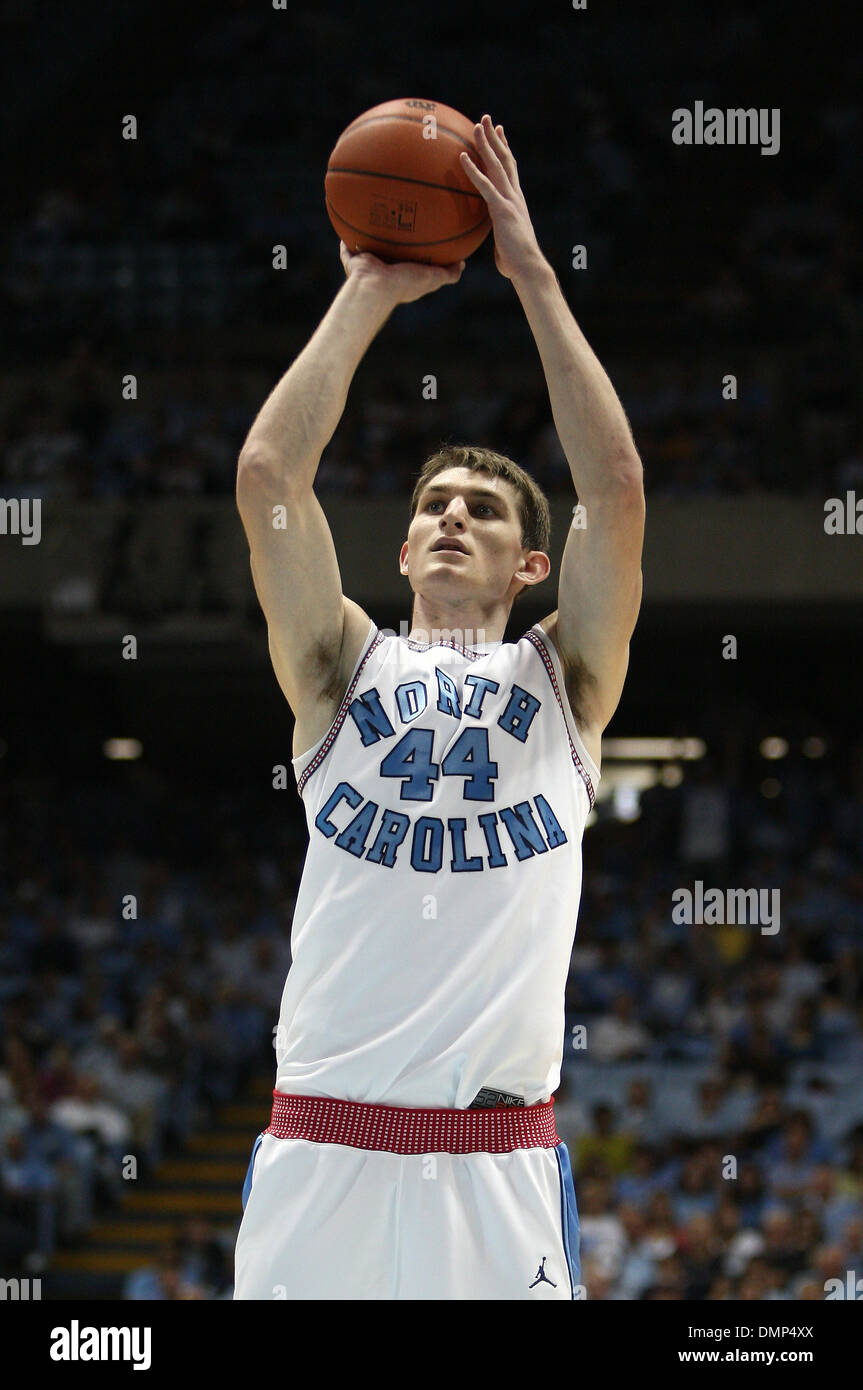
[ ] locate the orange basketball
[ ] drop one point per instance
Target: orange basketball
(394, 185)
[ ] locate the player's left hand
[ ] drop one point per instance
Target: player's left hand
(516, 249)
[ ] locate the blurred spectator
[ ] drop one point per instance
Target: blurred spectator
(792, 1159)
(618, 1035)
(606, 1150)
(163, 1282)
(28, 1185)
(705, 842)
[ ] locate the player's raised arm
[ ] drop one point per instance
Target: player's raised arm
(293, 558)
(599, 591)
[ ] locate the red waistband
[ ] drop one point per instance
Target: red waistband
(401, 1130)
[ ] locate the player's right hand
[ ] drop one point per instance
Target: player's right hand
(401, 281)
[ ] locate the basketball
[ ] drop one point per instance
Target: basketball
(394, 185)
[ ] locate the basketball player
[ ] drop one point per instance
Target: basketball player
(446, 779)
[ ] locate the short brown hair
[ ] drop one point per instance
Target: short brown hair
(532, 503)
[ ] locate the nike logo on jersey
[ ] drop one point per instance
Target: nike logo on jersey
(487, 1099)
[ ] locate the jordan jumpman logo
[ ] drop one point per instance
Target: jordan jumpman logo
(542, 1277)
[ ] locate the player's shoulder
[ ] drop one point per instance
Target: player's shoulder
(550, 637)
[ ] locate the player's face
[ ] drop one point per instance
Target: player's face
(465, 537)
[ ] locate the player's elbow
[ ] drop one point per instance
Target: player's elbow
(628, 475)
(259, 476)
(262, 472)
(255, 464)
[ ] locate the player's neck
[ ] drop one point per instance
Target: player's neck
(467, 630)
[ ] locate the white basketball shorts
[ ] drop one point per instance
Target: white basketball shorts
(334, 1220)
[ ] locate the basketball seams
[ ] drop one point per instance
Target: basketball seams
(404, 245)
(362, 121)
(407, 178)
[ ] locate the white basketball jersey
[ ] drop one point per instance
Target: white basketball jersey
(435, 917)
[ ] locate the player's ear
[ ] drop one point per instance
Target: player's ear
(536, 567)
(403, 558)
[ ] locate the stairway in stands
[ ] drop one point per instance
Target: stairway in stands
(206, 1180)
